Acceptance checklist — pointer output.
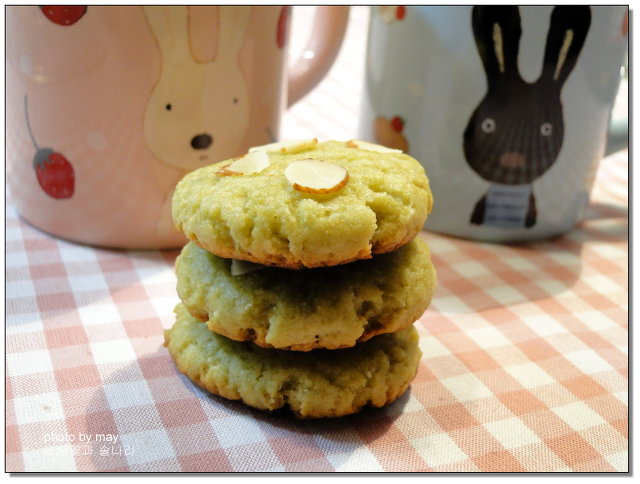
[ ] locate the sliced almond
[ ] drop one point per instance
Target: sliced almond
(287, 146)
(253, 162)
(240, 267)
(365, 145)
(316, 176)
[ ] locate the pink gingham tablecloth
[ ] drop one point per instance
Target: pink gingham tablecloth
(525, 364)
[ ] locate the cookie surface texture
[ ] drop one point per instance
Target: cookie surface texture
(329, 307)
(323, 384)
(260, 216)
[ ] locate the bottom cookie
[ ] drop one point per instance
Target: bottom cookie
(320, 383)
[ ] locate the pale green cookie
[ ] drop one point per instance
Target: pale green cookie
(329, 307)
(322, 383)
(261, 217)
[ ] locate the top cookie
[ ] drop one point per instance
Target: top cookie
(354, 199)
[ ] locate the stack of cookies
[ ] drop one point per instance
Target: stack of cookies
(303, 276)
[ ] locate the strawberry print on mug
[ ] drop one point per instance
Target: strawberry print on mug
(64, 14)
(54, 172)
(392, 13)
(388, 132)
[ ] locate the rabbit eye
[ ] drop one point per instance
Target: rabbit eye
(168, 107)
(546, 129)
(488, 125)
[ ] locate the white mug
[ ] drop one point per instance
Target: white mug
(507, 108)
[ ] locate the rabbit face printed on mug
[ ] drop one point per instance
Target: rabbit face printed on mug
(516, 132)
(198, 112)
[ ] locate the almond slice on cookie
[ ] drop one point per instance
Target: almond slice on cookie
(253, 162)
(294, 146)
(316, 176)
(365, 145)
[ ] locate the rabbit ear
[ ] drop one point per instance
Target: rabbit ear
(567, 33)
(497, 33)
(233, 23)
(170, 27)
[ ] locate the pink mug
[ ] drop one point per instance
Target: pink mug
(108, 107)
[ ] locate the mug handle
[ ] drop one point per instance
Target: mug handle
(329, 27)
(617, 136)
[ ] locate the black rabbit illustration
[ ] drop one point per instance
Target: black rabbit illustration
(516, 132)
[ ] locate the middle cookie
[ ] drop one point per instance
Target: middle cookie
(332, 307)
